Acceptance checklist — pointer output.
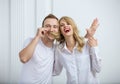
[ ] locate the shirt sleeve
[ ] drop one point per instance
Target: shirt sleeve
(57, 66)
(95, 60)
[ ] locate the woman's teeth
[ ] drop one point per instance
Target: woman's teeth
(66, 30)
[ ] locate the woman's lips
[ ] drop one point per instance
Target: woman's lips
(66, 30)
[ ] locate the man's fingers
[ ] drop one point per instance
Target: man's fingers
(41, 32)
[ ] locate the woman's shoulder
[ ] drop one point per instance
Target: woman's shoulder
(59, 45)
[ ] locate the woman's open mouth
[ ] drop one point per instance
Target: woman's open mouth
(66, 30)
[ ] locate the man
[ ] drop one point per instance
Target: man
(38, 53)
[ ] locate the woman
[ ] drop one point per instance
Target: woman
(78, 56)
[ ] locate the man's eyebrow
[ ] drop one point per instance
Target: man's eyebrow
(47, 24)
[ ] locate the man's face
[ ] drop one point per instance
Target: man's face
(52, 26)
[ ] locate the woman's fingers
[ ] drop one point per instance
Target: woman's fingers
(92, 42)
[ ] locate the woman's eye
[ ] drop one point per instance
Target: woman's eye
(61, 25)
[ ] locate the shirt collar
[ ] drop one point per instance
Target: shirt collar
(65, 46)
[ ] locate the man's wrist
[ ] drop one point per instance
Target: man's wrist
(37, 38)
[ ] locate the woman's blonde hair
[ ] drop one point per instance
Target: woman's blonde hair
(78, 39)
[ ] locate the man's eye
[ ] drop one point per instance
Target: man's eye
(55, 26)
(47, 25)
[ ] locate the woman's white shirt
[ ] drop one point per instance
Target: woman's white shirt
(81, 67)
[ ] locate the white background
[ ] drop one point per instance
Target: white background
(20, 19)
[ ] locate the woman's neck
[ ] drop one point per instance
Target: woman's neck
(70, 43)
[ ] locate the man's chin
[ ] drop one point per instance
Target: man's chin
(51, 38)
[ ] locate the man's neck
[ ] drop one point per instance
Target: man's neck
(48, 43)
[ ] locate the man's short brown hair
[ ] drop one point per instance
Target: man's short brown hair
(49, 16)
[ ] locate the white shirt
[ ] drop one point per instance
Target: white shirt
(80, 67)
(38, 70)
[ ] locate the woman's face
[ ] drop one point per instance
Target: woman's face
(66, 29)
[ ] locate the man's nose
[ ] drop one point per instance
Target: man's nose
(51, 28)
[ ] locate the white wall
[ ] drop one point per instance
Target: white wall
(4, 41)
(22, 24)
(21, 18)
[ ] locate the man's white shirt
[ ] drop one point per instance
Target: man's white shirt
(38, 70)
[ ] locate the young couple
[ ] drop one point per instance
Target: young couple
(44, 57)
